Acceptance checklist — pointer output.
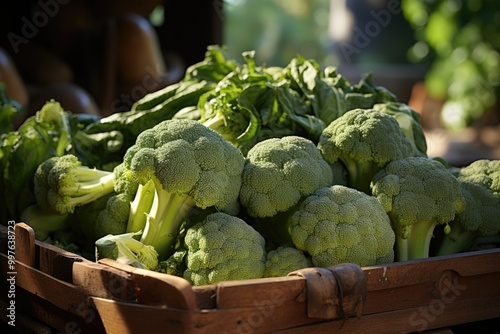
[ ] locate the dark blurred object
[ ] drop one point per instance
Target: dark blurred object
(190, 26)
(373, 36)
(109, 50)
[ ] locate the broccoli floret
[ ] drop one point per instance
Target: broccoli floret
(123, 210)
(483, 171)
(365, 140)
(339, 224)
(278, 174)
(285, 259)
(62, 183)
(191, 167)
(43, 223)
(409, 122)
(418, 194)
(480, 218)
(106, 215)
(53, 113)
(223, 247)
(127, 249)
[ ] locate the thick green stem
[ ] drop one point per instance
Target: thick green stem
(360, 175)
(87, 174)
(163, 224)
(417, 242)
(457, 241)
(275, 229)
(43, 223)
(100, 185)
(140, 207)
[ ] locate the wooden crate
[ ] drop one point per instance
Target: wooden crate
(59, 290)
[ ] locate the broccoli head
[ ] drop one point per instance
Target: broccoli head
(339, 224)
(365, 140)
(285, 259)
(409, 122)
(223, 247)
(62, 183)
(418, 194)
(191, 167)
(279, 172)
(483, 171)
(479, 219)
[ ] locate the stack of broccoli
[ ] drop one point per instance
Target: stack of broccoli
(190, 196)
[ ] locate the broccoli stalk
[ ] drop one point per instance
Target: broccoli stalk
(479, 219)
(140, 206)
(163, 223)
(457, 241)
(89, 184)
(43, 223)
(52, 113)
(360, 173)
(126, 248)
(62, 183)
(413, 241)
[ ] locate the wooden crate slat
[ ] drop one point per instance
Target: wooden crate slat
(154, 288)
(103, 281)
(25, 244)
(410, 320)
(243, 293)
(416, 271)
(119, 317)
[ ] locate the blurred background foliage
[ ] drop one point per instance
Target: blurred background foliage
(278, 30)
(461, 39)
(456, 42)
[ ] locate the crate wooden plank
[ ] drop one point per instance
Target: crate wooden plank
(25, 244)
(154, 288)
(103, 281)
(410, 320)
(243, 293)
(269, 316)
(119, 317)
(413, 272)
(55, 261)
